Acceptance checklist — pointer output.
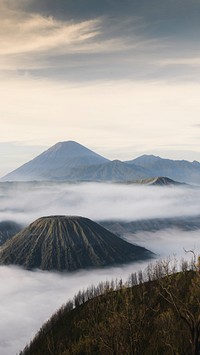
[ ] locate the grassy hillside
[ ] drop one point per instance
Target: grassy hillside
(154, 313)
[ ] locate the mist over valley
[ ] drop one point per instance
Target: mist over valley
(162, 219)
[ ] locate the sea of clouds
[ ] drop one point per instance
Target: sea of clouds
(28, 298)
(24, 202)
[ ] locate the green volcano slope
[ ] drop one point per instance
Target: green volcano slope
(68, 243)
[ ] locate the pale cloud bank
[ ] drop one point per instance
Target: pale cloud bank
(24, 202)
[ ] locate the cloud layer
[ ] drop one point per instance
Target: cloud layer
(29, 298)
(24, 202)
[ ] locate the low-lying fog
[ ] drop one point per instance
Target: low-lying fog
(24, 202)
(28, 298)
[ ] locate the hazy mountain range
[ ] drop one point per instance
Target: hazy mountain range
(71, 161)
(122, 228)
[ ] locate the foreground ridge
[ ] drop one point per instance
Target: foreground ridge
(155, 312)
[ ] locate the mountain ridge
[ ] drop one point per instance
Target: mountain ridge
(178, 170)
(71, 161)
(115, 171)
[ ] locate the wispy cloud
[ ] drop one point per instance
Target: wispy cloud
(40, 41)
(197, 125)
(191, 61)
(40, 34)
(89, 43)
(22, 37)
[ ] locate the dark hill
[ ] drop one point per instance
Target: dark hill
(158, 316)
(56, 162)
(159, 181)
(7, 230)
(163, 181)
(68, 243)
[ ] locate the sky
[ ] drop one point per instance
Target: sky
(121, 77)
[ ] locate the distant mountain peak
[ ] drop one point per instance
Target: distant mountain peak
(149, 156)
(65, 144)
(117, 161)
(70, 147)
(56, 162)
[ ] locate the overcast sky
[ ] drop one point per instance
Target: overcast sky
(119, 76)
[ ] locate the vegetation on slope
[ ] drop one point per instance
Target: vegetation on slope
(154, 313)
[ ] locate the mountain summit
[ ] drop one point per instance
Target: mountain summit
(68, 243)
(56, 162)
